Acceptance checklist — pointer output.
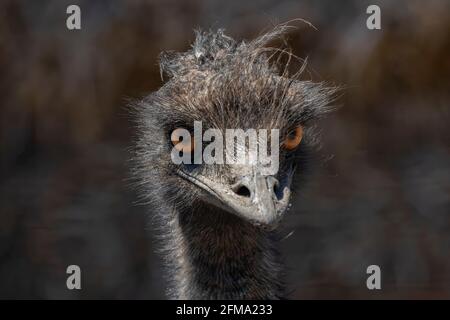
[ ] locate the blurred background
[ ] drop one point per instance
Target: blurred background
(381, 198)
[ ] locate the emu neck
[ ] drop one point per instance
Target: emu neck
(219, 256)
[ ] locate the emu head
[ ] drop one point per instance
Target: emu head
(227, 85)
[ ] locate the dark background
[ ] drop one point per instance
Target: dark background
(381, 198)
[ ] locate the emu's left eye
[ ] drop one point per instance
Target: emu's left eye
(182, 141)
(293, 139)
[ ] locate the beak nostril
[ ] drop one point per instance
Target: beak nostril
(276, 187)
(243, 191)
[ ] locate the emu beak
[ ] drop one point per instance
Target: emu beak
(259, 199)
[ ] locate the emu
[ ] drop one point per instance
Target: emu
(218, 225)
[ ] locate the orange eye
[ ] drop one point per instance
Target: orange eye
(293, 139)
(182, 141)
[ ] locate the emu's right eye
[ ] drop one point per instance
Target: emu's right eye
(182, 141)
(293, 139)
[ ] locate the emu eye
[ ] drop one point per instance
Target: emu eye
(182, 141)
(293, 139)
